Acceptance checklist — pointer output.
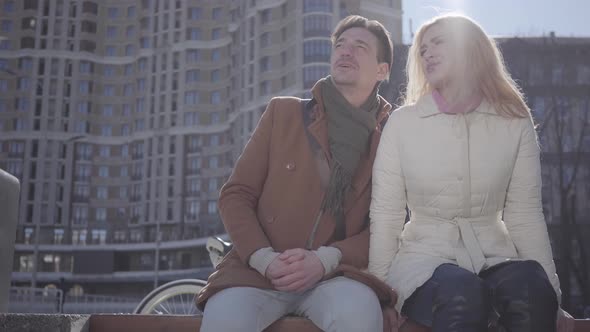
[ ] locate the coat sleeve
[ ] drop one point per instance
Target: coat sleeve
(388, 202)
(354, 249)
(239, 196)
(523, 210)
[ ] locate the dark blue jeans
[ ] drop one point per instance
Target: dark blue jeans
(515, 295)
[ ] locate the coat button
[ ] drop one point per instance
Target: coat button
(290, 166)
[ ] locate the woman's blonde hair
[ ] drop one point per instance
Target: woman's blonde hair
(483, 66)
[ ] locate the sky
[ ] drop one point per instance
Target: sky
(523, 18)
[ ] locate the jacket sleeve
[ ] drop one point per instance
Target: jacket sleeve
(388, 202)
(354, 249)
(239, 196)
(523, 210)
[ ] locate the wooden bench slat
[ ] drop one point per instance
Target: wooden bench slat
(168, 323)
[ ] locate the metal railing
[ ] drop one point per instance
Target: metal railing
(34, 300)
(50, 300)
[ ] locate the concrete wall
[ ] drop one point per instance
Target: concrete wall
(9, 198)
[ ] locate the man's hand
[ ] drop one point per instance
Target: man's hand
(279, 266)
(300, 270)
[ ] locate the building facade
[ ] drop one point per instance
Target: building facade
(122, 119)
(554, 74)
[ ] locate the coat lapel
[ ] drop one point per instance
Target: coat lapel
(319, 131)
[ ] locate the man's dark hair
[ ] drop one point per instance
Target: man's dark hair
(384, 47)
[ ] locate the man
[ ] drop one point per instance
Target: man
(296, 204)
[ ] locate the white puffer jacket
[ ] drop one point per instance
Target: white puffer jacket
(473, 185)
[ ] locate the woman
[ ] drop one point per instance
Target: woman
(462, 154)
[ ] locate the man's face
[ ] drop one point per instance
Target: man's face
(354, 60)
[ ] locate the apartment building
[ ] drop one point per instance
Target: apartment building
(122, 119)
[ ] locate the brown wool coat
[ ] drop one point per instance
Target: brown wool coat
(274, 194)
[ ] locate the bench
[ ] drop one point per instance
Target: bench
(161, 323)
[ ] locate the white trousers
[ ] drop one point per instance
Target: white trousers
(338, 304)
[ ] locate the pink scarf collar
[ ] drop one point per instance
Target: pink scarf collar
(463, 107)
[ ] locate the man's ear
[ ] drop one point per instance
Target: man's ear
(383, 72)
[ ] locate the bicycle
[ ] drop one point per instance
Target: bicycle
(178, 297)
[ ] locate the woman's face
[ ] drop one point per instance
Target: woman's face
(437, 56)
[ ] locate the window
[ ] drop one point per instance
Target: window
(312, 74)
(214, 162)
(193, 56)
(108, 90)
(216, 33)
(81, 126)
(101, 214)
(317, 25)
(107, 110)
(194, 13)
(108, 70)
(145, 42)
(212, 208)
(129, 50)
(317, 51)
(24, 83)
(84, 87)
(8, 6)
(216, 13)
(113, 12)
(215, 75)
(25, 64)
(192, 209)
(131, 11)
(191, 98)
(214, 140)
(103, 171)
(193, 34)
(192, 76)
(111, 32)
(85, 67)
(105, 151)
(191, 118)
(141, 84)
(264, 39)
(111, 50)
(80, 214)
(6, 26)
(123, 192)
(264, 88)
(215, 97)
(106, 130)
(265, 16)
(264, 64)
(128, 90)
(215, 55)
(5, 44)
(213, 185)
(83, 107)
(324, 6)
(130, 32)
(101, 192)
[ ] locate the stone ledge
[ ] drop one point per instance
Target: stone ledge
(44, 322)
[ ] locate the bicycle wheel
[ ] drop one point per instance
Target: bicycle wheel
(173, 298)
